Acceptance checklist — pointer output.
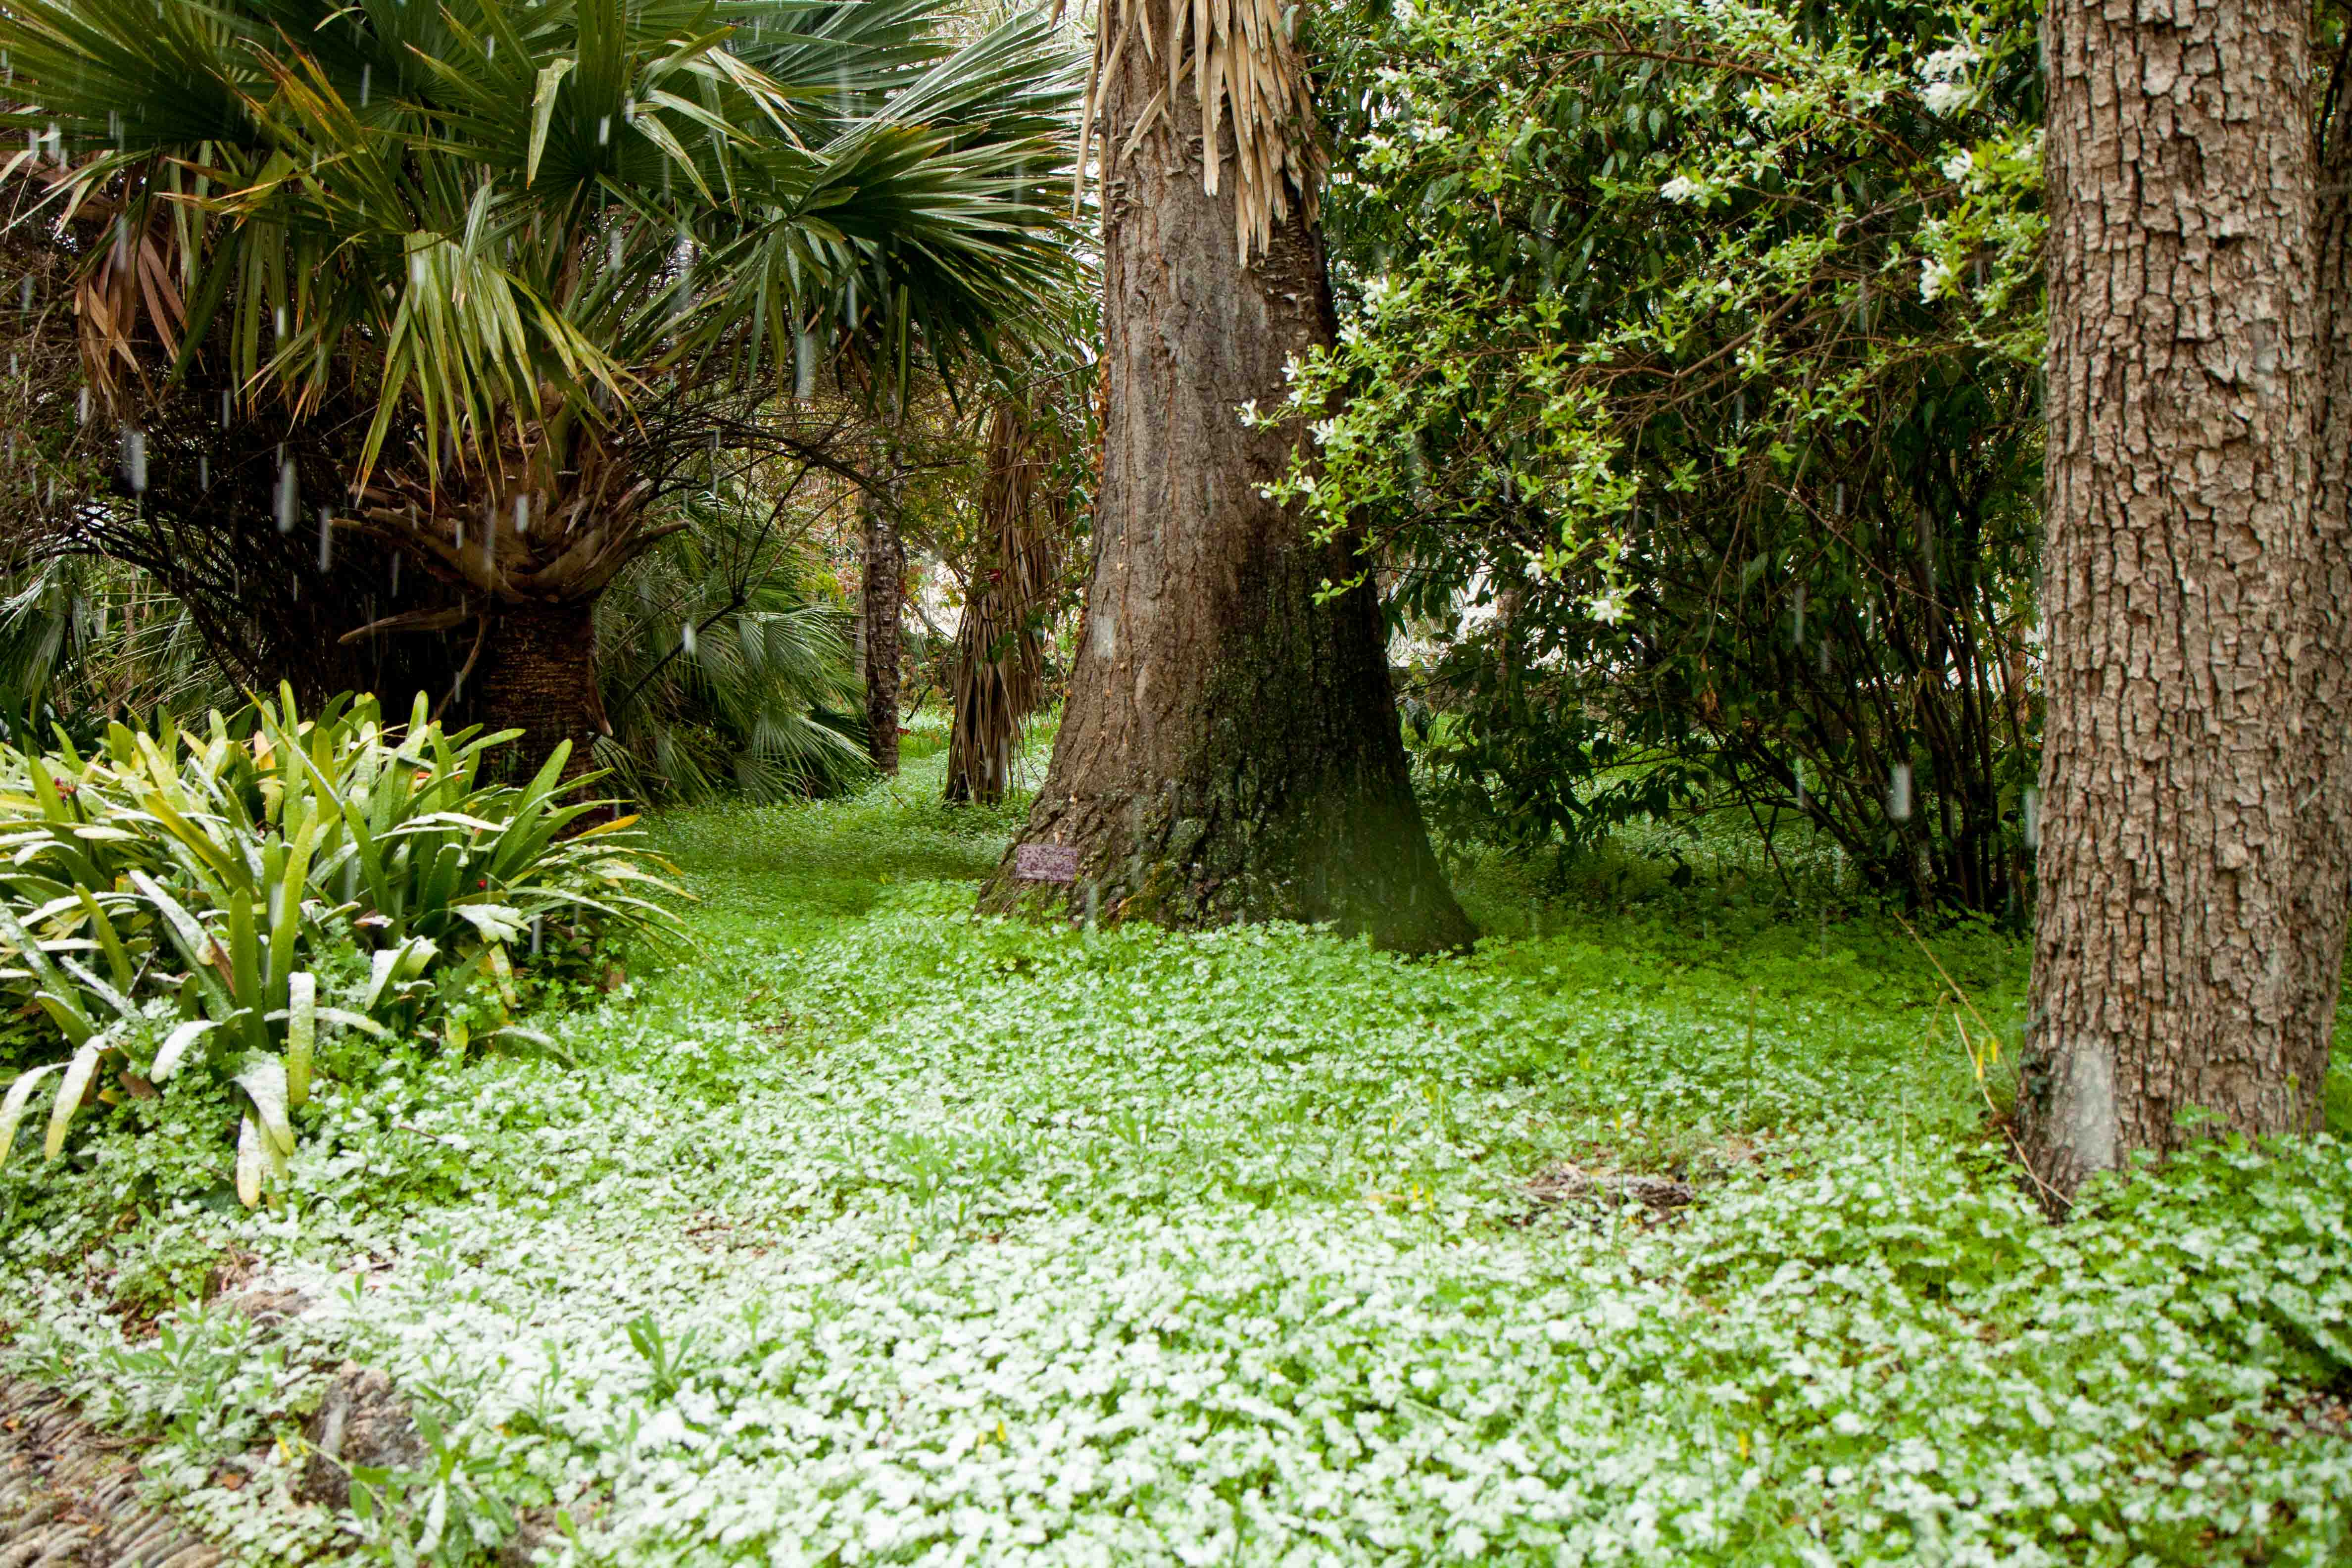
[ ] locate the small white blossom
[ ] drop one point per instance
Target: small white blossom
(1945, 74)
(1946, 98)
(1948, 64)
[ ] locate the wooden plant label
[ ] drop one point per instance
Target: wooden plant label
(1045, 863)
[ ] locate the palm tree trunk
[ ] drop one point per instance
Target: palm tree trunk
(538, 674)
(999, 676)
(885, 556)
(1230, 747)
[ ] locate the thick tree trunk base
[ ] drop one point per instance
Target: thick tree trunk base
(1294, 805)
(1230, 750)
(2179, 493)
(538, 674)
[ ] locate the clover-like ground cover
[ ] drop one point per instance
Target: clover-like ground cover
(868, 1232)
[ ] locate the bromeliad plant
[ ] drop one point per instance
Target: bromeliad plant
(215, 901)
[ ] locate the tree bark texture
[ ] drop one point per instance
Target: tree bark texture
(2179, 514)
(885, 558)
(538, 674)
(1230, 749)
(2322, 865)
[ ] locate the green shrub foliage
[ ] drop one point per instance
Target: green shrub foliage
(1686, 376)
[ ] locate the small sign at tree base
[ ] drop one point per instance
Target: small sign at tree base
(1045, 863)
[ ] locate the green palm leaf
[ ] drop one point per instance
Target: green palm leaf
(493, 203)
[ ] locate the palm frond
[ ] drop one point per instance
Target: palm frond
(718, 668)
(493, 204)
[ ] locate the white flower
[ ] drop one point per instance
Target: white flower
(1606, 608)
(1957, 166)
(1945, 74)
(1944, 98)
(1934, 279)
(1249, 412)
(666, 1430)
(1682, 188)
(1948, 64)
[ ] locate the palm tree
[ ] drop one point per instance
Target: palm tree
(185, 499)
(727, 668)
(572, 247)
(1230, 747)
(1012, 589)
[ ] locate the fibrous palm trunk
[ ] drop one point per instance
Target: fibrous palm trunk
(1000, 652)
(1230, 749)
(538, 674)
(2179, 513)
(528, 544)
(883, 557)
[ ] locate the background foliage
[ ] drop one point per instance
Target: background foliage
(1684, 392)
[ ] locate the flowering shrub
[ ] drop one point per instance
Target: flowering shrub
(1684, 386)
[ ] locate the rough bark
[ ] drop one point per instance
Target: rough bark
(1230, 747)
(2323, 866)
(538, 674)
(884, 561)
(2179, 514)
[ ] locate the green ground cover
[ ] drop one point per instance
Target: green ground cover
(865, 1231)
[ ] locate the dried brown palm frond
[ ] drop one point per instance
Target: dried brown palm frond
(1000, 670)
(135, 281)
(1242, 63)
(529, 527)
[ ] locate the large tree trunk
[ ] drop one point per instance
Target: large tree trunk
(885, 559)
(2180, 494)
(1230, 747)
(2323, 889)
(538, 674)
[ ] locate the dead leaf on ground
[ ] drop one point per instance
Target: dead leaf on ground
(1648, 1198)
